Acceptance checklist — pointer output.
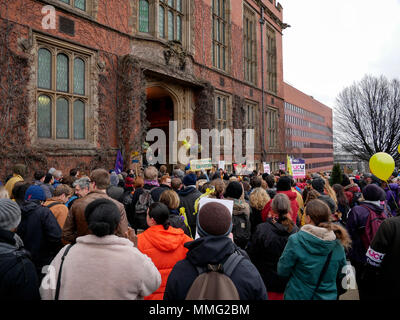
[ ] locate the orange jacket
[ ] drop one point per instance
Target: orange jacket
(59, 210)
(165, 248)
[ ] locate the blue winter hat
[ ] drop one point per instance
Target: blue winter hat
(190, 179)
(35, 193)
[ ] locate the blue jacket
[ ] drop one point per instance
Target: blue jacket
(213, 250)
(302, 262)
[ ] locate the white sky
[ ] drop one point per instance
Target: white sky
(332, 44)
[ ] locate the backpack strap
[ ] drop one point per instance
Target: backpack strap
(54, 204)
(231, 263)
(321, 276)
(60, 271)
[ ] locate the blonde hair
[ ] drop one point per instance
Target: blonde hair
(329, 190)
(170, 198)
(259, 198)
(4, 193)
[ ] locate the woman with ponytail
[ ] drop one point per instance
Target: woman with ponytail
(268, 243)
(162, 243)
(314, 258)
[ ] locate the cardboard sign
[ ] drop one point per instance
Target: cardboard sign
(201, 164)
(282, 166)
(299, 168)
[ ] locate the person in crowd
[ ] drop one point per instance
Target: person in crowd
(343, 202)
(57, 178)
(178, 173)
(219, 188)
(144, 197)
(127, 196)
(392, 191)
(188, 197)
(48, 183)
(247, 189)
(356, 225)
(318, 184)
(299, 199)
(241, 229)
(311, 195)
(314, 257)
(366, 180)
(3, 193)
(162, 243)
(255, 182)
(176, 184)
(165, 184)
(39, 177)
(382, 278)
(350, 189)
(19, 280)
(19, 172)
(269, 241)
(259, 199)
(214, 225)
(39, 229)
(74, 172)
(57, 204)
(82, 187)
(87, 273)
(113, 190)
(75, 225)
(171, 199)
(270, 180)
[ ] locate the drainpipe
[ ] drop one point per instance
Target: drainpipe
(262, 84)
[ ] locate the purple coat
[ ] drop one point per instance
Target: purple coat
(392, 197)
(356, 221)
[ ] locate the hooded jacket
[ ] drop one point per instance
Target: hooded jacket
(302, 262)
(18, 278)
(214, 250)
(165, 248)
(267, 245)
(60, 210)
(103, 268)
(188, 197)
(349, 191)
(240, 208)
(356, 222)
(40, 232)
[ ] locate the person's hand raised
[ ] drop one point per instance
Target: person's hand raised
(131, 235)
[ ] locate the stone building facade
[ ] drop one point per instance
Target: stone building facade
(85, 78)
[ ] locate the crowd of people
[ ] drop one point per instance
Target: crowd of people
(103, 235)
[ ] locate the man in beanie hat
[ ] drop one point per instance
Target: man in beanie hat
(19, 171)
(214, 225)
(18, 274)
(357, 219)
(188, 197)
(39, 229)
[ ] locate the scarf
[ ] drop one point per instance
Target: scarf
(152, 183)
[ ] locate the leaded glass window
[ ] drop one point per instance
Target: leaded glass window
(62, 96)
(44, 68)
(221, 114)
(249, 40)
(44, 117)
(144, 16)
(161, 21)
(219, 27)
(62, 119)
(79, 120)
(170, 20)
(62, 72)
(79, 4)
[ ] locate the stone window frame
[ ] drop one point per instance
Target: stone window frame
(253, 123)
(215, 43)
(249, 41)
(154, 5)
(73, 51)
(272, 118)
(220, 122)
(271, 60)
(89, 13)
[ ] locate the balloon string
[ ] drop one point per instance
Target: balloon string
(392, 194)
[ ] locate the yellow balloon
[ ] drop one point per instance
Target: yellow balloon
(398, 148)
(382, 165)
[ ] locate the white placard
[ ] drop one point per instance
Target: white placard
(221, 165)
(266, 168)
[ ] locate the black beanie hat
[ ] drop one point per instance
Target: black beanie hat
(214, 219)
(318, 184)
(372, 192)
(284, 184)
(234, 190)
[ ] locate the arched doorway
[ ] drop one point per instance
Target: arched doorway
(159, 112)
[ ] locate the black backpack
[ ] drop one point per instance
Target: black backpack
(241, 229)
(357, 196)
(144, 202)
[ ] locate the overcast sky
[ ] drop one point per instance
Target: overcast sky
(331, 43)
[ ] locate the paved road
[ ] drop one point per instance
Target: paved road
(350, 295)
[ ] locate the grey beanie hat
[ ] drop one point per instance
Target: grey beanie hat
(10, 214)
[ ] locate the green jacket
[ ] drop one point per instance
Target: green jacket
(303, 259)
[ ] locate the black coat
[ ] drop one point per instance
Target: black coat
(40, 232)
(176, 221)
(265, 249)
(131, 203)
(255, 218)
(188, 197)
(18, 277)
(213, 250)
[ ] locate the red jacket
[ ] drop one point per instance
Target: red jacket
(165, 248)
(292, 195)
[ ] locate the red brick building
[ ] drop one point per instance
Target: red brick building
(76, 91)
(309, 133)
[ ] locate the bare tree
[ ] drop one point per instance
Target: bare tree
(368, 117)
